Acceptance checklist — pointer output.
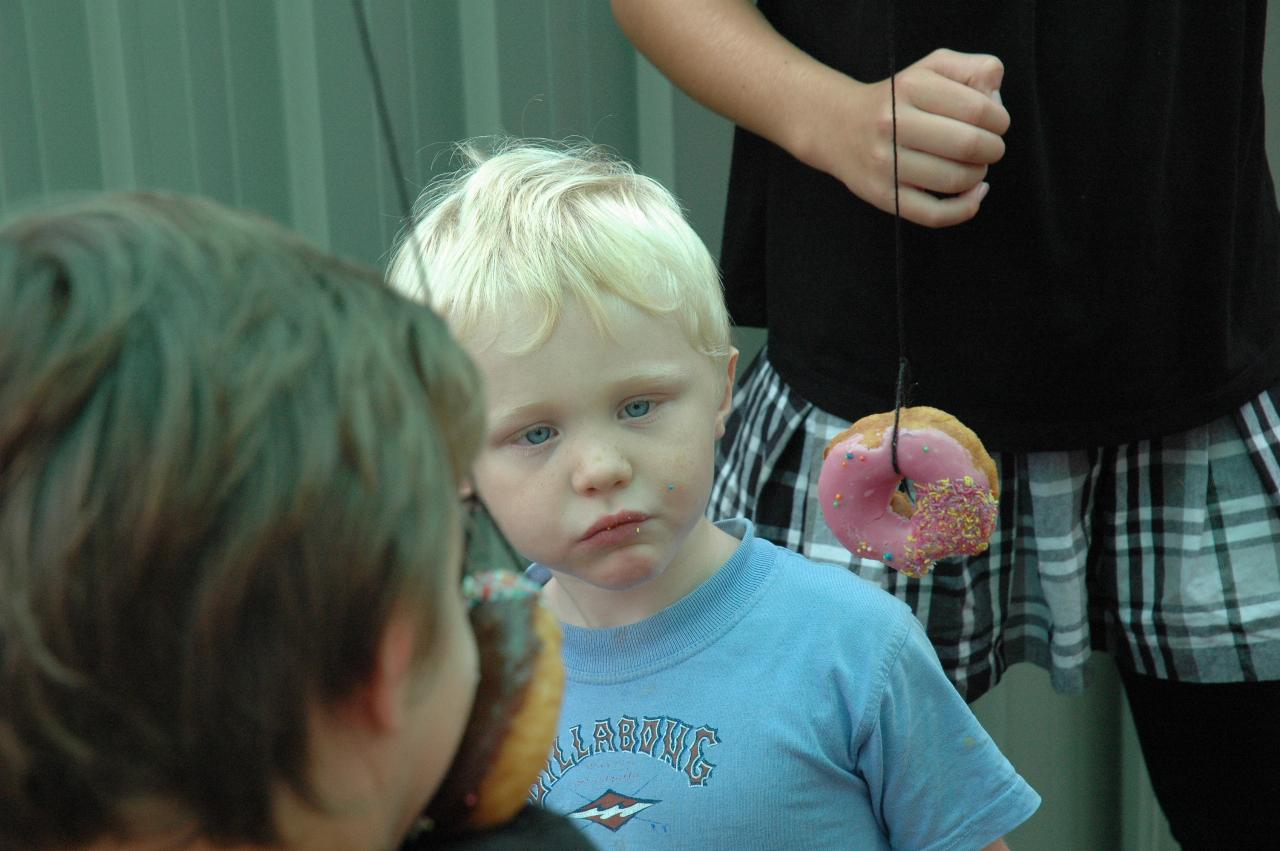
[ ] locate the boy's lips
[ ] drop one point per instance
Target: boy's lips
(613, 521)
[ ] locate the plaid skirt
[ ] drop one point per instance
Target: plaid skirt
(1164, 553)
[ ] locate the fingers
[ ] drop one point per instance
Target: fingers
(936, 94)
(948, 138)
(940, 154)
(924, 209)
(937, 174)
(950, 124)
(961, 196)
(980, 71)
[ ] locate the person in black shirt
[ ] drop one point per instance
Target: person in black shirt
(1088, 277)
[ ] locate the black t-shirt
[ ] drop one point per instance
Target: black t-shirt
(1121, 279)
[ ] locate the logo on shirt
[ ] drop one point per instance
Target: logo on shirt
(677, 744)
(612, 810)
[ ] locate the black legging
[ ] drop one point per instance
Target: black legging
(1213, 754)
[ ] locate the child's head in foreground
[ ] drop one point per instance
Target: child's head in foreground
(229, 535)
(596, 315)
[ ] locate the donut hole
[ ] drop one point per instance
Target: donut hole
(903, 501)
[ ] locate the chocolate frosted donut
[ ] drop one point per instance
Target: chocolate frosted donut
(517, 705)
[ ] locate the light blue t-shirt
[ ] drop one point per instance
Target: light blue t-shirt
(783, 704)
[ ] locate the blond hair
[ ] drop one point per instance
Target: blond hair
(534, 225)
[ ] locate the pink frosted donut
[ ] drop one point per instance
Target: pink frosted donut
(956, 488)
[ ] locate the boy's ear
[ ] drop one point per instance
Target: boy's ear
(726, 404)
(381, 701)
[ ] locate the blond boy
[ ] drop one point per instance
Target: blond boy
(722, 692)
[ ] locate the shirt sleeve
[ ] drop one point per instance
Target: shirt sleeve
(935, 777)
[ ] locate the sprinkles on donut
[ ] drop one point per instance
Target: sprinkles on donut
(956, 488)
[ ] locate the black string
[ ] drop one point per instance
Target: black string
(900, 389)
(388, 133)
(384, 115)
(478, 522)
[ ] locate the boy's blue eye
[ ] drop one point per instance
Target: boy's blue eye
(536, 435)
(638, 408)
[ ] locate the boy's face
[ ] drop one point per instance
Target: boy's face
(439, 706)
(599, 456)
(448, 704)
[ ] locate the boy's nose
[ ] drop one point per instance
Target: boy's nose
(600, 469)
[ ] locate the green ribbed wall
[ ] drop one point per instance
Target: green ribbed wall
(267, 105)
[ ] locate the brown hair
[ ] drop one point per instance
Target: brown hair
(225, 457)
